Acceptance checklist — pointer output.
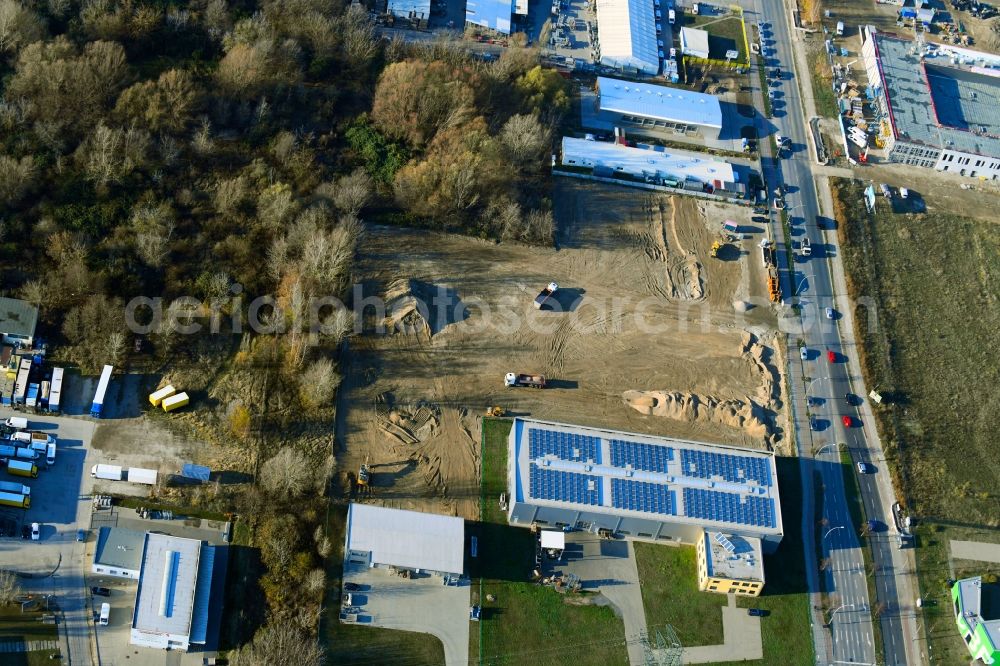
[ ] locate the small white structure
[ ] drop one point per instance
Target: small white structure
(647, 104)
(694, 43)
(628, 35)
(171, 604)
(421, 542)
(118, 552)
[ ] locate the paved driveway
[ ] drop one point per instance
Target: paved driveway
(609, 567)
(420, 604)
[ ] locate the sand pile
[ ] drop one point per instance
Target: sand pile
(690, 407)
(415, 307)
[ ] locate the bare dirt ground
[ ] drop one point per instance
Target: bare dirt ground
(938, 191)
(645, 338)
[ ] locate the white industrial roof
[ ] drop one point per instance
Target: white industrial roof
(646, 159)
(627, 32)
(407, 539)
(694, 42)
(659, 102)
(553, 539)
(164, 603)
(732, 556)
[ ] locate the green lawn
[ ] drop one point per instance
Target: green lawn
(670, 595)
(826, 101)
(724, 33)
(527, 623)
(25, 627)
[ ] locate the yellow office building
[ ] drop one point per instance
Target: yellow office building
(730, 564)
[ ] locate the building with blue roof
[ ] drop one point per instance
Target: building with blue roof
(662, 106)
(640, 486)
(175, 589)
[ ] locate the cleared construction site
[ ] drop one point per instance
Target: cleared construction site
(653, 329)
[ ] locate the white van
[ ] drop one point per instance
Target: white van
(50, 454)
(840, 28)
(17, 422)
(105, 615)
(694, 9)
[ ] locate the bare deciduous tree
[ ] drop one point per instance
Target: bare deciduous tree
(279, 643)
(33, 291)
(110, 155)
(230, 194)
(315, 581)
(318, 383)
(525, 138)
(16, 178)
(351, 192)
(287, 474)
(18, 26)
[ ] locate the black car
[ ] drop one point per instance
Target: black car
(760, 220)
(25, 531)
(757, 612)
(100, 591)
(352, 587)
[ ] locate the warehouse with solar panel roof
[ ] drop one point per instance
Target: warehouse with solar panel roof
(641, 486)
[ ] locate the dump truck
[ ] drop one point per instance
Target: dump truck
(102, 389)
(14, 487)
(773, 285)
(107, 472)
(55, 392)
(545, 294)
(159, 395)
(15, 499)
(767, 255)
(175, 401)
(22, 468)
(511, 380)
(140, 475)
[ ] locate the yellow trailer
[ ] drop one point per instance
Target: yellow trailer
(159, 395)
(175, 402)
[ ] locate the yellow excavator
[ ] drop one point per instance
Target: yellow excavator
(716, 246)
(495, 411)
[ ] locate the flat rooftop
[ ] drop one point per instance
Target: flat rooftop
(979, 606)
(734, 557)
(164, 602)
(659, 102)
(644, 158)
(407, 539)
(654, 478)
(119, 548)
(937, 103)
(627, 30)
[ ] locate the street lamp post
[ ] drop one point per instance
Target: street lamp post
(831, 530)
(837, 610)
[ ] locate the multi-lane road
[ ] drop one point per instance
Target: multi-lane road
(825, 391)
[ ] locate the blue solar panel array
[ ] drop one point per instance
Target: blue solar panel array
(707, 465)
(729, 508)
(643, 496)
(562, 444)
(551, 484)
(647, 457)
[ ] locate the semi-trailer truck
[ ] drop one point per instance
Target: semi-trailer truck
(102, 389)
(22, 468)
(15, 499)
(531, 381)
(55, 392)
(14, 487)
(21, 383)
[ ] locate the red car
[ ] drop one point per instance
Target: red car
(831, 356)
(848, 422)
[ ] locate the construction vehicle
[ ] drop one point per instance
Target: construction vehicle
(364, 475)
(773, 286)
(767, 256)
(545, 294)
(511, 380)
(495, 411)
(716, 246)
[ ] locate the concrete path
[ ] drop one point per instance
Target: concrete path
(609, 567)
(29, 646)
(975, 550)
(741, 639)
(419, 604)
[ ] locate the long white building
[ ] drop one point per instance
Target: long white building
(640, 486)
(627, 33)
(651, 105)
(940, 107)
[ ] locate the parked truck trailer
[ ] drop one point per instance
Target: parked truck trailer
(102, 389)
(107, 472)
(15, 500)
(22, 468)
(14, 487)
(55, 392)
(21, 383)
(140, 475)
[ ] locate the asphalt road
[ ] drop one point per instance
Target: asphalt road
(827, 383)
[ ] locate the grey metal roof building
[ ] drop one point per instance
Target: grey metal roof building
(937, 113)
(171, 604)
(659, 104)
(18, 320)
(118, 552)
(640, 486)
(491, 14)
(381, 536)
(627, 31)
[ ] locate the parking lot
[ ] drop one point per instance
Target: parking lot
(422, 604)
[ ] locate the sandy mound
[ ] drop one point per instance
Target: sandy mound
(414, 307)
(682, 406)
